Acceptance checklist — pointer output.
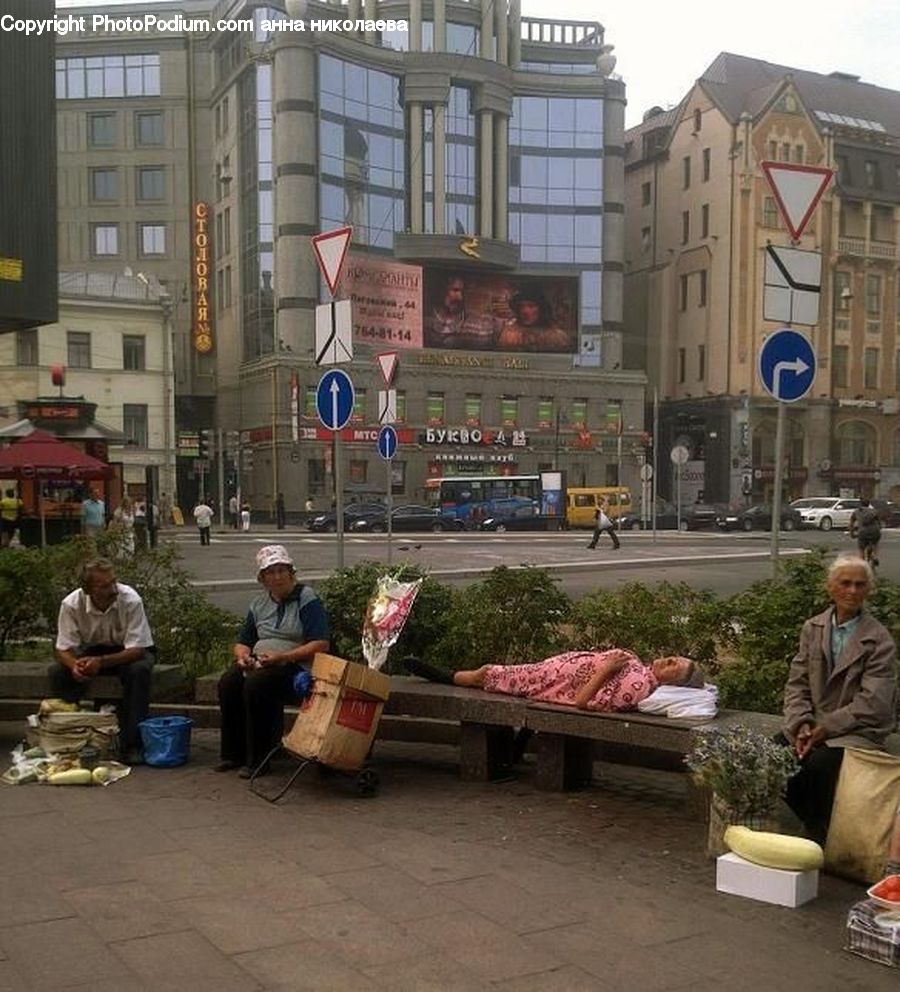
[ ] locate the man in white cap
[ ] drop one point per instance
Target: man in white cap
(285, 627)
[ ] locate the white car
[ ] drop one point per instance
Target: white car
(825, 512)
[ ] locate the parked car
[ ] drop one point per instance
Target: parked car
(825, 512)
(888, 512)
(327, 522)
(759, 518)
(409, 516)
(513, 513)
(692, 517)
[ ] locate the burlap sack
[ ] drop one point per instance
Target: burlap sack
(867, 795)
(64, 733)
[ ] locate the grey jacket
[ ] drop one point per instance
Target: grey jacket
(854, 700)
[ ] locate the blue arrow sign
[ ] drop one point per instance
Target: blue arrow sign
(334, 399)
(787, 365)
(387, 442)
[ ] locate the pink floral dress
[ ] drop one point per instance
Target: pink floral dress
(558, 680)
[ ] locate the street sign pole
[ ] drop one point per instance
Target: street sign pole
(655, 450)
(776, 495)
(390, 506)
(220, 455)
(338, 498)
(335, 398)
(678, 498)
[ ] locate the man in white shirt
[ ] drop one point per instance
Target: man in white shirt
(203, 514)
(102, 627)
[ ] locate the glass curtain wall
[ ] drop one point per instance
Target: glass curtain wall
(461, 165)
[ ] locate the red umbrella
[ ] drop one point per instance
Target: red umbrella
(40, 455)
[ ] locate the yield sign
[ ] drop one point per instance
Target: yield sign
(797, 189)
(387, 362)
(331, 250)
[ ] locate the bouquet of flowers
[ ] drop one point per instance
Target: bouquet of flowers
(745, 769)
(386, 616)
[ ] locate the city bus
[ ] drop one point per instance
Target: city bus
(532, 501)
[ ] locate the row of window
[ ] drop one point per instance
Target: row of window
(79, 354)
(105, 240)
(684, 281)
(784, 151)
(872, 177)
(701, 363)
(103, 129)
(871, 367)
(149, 184)
(508, 413)
(875, 283)
(79, 78)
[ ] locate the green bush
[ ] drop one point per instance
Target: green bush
(651, 621)
(20, 599)
(346, 595)
(512, 616)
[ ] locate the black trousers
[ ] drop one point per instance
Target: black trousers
(810, 793)
(251, 702)
(605, 530)
(135, 678)
(204, 535)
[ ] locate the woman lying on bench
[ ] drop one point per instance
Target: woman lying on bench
(607, 681)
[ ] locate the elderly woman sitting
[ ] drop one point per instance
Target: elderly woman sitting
(605, 681)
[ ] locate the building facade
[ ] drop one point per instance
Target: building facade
(114, 339)
(477, 155)
(700, 216)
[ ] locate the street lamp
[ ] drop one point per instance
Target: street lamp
(846, 295)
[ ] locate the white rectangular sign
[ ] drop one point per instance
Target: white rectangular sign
(387, 406)
(334, 333)
(793, 283)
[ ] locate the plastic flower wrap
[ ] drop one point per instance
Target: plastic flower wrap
(386, 616)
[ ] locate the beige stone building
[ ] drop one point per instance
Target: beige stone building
(699, 216)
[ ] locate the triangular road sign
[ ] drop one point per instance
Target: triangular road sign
(387, 362)
(331, 250)
(797, 189)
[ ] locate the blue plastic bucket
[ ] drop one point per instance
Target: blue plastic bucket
(167, 740)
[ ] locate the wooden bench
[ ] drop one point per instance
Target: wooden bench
(28, 680)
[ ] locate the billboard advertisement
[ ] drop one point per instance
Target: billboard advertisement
(386, 299)
(486, 311)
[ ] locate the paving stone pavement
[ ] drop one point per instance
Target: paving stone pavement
(181, 879)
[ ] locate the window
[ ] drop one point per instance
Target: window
(645, 239)
(579, 412)
(359, 469)
(401, 406)
(473, 409)
(681, 364)
(225, 110)
(152, 239)
(842, 291)
(870, 368)
(645, 194)
(434, 409)
(706, 158)
(218, 229)
(683, 292)
(134, 352)
(108, 76)
(799, 153)
(309, 402)
(148, 128)
(79, 349)
(105, 239)
(701, 362)
(872, 174)
(703, 282)
(151, 183)
(316, 476)
(685, 226)
(686, 167)
(509, 411)
(855, 443)
(773, 151)
(839, 366)
(545, 411)
(698, 121)
(134, 424)
(226, 232)
(842, 164)
(704, 221)
(359, 406)
(770, 212)
(873, 295)
(104, 184)
(27, 347)
(226, 300)
(101, 130)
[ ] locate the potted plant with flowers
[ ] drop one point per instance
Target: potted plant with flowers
(746, 773)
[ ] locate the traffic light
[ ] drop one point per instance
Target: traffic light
(206, 444)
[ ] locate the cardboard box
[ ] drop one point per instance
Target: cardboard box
(337, 721)
(868, 937)
(740, 877)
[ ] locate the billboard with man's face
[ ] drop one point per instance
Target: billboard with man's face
(498, 312)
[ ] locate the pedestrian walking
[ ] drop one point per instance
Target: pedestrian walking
(123, 523)
(234, 511)
(140, 525)
(603, 525)
(203, 514)
(245, 517)
(279, 511)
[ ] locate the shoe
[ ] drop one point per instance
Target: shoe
(592, 546)
(133, 756)
(225, 766)
(425, 670)
(248, 772)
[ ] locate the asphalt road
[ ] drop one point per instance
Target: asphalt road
(723, 562)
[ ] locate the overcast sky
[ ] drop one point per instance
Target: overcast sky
(662, 46)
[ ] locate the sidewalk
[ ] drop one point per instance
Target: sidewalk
(182, 880)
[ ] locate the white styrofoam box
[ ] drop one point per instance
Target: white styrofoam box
(739, 877)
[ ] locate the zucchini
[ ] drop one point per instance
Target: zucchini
(774, 850)
(74, 776)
